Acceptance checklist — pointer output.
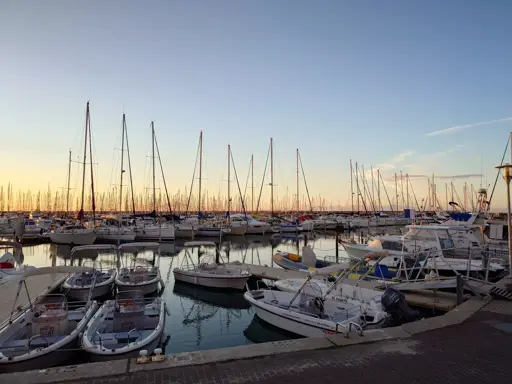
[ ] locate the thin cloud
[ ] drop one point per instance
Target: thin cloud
(467, 126)
(391, 164)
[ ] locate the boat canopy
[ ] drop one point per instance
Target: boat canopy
(200, 243)
(140, 246)
(94, 247)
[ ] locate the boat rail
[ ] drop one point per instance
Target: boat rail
(99, 337)
(37, 337)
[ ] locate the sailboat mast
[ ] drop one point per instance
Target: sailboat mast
(129, 166)
(252, 183)
(69, 181)
(153, 159)
(351, 186)
(272, 176)
(200, 170)
(229, 181)
(122, 164)
(81, 214)
(297, 181)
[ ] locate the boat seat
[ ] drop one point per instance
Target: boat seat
(36, 343)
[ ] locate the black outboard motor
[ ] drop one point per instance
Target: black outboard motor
(394, 303)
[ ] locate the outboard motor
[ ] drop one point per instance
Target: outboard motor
(394, 303)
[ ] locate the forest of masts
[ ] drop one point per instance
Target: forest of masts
(370, 192)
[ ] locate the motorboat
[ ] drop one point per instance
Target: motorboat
(11, 265)
(124, 326)
(311, 313)
(78, 285)
(292, 261)
(142, 278)
(254, 226)
(209, 272)
(73, 234)
(42, 335)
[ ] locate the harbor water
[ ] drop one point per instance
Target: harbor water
(202, 318)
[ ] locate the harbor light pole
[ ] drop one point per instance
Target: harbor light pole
(507, 168)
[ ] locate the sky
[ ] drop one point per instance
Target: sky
(398, 85)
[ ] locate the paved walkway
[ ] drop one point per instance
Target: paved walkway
(477, 351)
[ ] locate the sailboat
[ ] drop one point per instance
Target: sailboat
(112, 229)
(78, 234)
(237, 228)
(206, 230)
(160, 231)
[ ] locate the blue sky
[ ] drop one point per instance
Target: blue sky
(340, 80)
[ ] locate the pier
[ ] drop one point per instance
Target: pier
(36, 286)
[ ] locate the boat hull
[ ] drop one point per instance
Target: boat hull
(125, 237)
(166, 233)
(145, 289)
(84, 238)
(231, 282)
(238, 231)
(256, 230)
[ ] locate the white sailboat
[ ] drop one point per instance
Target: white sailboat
(209, 273)
(158, 231)
(138, 277)
(11, 267)
(101, 281)
(41, 336)
(78, 234)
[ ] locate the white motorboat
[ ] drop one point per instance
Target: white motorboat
(74, 235)
(341, 290)
(138, 277)
(42, 335)
(185, 230)
(212, 230)
(124, 326)
(310, 313)
(78, 285)
(11, 267)
(208, 273)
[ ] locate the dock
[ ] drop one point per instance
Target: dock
(36, 285)
(424, 298)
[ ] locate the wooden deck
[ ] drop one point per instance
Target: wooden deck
(37, 285)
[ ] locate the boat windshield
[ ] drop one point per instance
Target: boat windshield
(420, 235)
(445, 240)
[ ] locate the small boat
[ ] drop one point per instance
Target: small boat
(10, 264)
(77, 286)
(307, 261)
(138, 277)
(311, 313)
(124, 326)
(74, 235)
(208, 273)
(42, 335)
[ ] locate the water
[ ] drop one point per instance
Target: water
(202, 318)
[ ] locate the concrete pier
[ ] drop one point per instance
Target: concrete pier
(36, 285)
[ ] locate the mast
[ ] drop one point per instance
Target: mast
(81, 213)
(122, 164)
(351, 187)
(407, 188)
(272, 176)
(357, 185)
(252, 183)
(153, 160)
(129, 166)
(69, 181)
(297, 196)
(163, 176)
(378, 190)
(229, 182)
(200, 170)
(93, 203)
(396, 194)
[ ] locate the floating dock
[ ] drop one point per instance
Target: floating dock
(36, 286)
